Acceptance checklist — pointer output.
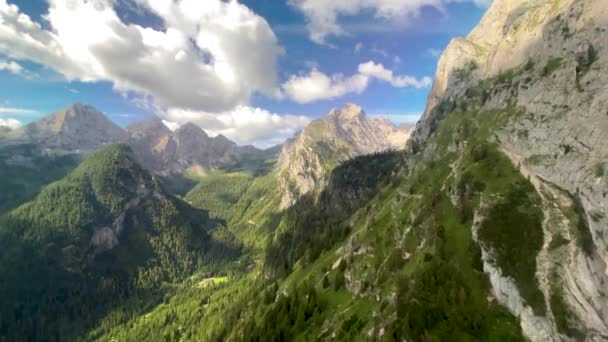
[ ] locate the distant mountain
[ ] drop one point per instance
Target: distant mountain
(77, 128)
(82, 129)
(306, 161)
(189, 148)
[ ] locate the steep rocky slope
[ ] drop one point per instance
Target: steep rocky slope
(77, 128)
(306, 161)
(547, 58)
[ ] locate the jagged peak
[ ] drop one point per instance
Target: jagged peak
(191, 128)
(151, 123)
(349, 111)
(223, 139)
(78, 109)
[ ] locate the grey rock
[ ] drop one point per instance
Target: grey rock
(561, 140)
(77, 128)
(307, 160)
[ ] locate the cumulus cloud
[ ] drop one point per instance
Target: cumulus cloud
(10, 123)
(323, 16)
(212, 55)
(378, 71)
(11, 66)
(171, 125)
(316, 85)
(319, 86)
(244, 124)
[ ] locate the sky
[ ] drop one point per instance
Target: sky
(256, 71)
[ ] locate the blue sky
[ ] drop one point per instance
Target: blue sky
(285, 58)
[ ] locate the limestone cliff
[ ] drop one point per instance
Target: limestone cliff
(547, 58)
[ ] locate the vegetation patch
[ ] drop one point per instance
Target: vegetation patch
(564, 318)
(583, 232)
(513, 230)
(585, 61)
(218, 192)
(464, 73)
(599, 170)
(552, 65)
(557, 241)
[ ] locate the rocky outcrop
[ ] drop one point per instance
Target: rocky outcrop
(188, 148)
(78, 128)
(306, 161)
(547, 58)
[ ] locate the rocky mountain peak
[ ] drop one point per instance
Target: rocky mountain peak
(349, 112)
(151, 126)
(191, 130)
(222, 138)
(344, 133)
(75, 128)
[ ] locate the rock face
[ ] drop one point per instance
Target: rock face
(549, 57)
(307, 160)
(78, 128)
(188, 148)
(82, 129)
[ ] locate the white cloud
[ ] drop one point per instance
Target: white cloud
(244, 124)
(379, 72)
(11, 66)
(319, 86)
(316, 85)
(358, 47)
(323, 16)
(434, 52)
(171, 125)
(10, 123)
(16, 111)
(212, 56)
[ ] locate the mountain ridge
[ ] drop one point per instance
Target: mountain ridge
(307, 159)
(545, 58)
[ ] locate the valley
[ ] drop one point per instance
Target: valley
(486, 221)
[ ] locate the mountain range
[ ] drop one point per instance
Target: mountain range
(490, 225)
